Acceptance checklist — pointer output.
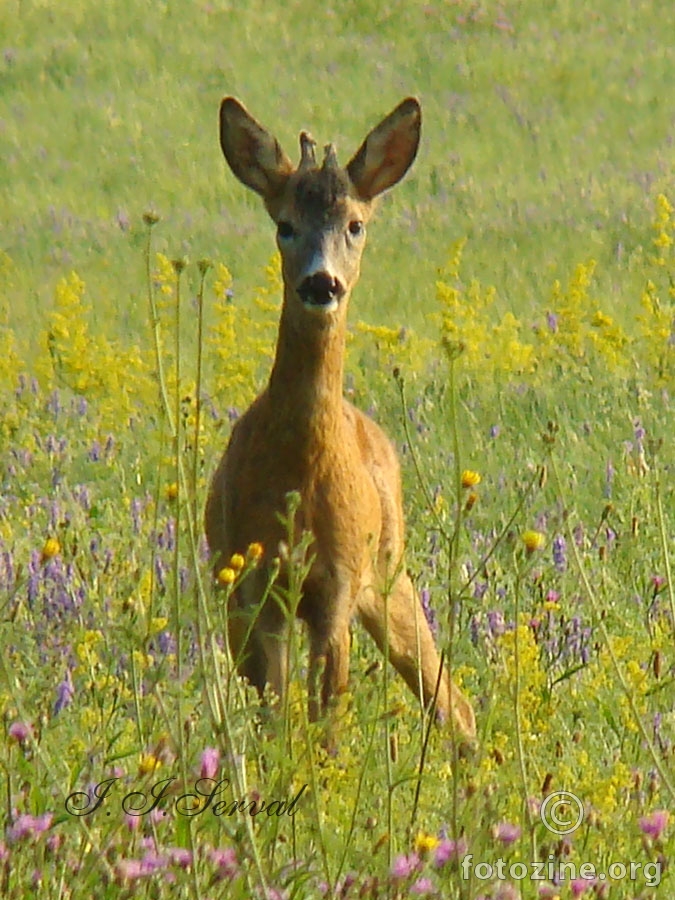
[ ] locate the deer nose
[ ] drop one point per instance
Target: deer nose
(320, 289)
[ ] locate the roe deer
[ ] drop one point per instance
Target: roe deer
(301, 435)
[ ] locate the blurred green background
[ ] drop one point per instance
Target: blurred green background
(549, 128)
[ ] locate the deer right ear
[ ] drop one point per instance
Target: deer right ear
(388, 151)
(252, 153)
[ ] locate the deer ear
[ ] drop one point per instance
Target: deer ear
(252, 153)
(388, 151)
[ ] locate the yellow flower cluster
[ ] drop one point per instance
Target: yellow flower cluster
(243, 336)
(532, 678)
(656, 340)
(573, 329)
(89, 364)
(10, 363)
(468, 318)
(229, 573)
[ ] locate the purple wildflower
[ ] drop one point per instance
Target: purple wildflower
(655, 824)
(209, 763)
(506, 833)
(495, 621)
(132, 822)
(429, 611)
(82, 494)
(422, 887)
(166, 643)
(20, 731)
(559, 549)
(448, 849)
(27, 826)
(53, 842)
(639, 433)
(225, 862)
(130, 869)
(480, 589)
(404, 866)
(161, 571)
(65, 692)
(54, 405)
(152, 862)
(180, 857)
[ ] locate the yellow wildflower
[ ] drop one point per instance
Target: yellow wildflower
(533, 540)
(226, 576)
(237, 562)
(172, 491)
(148, 764)
(254, 552)
(157, 624)
(470, 479)
(51, 549)
(425, 843)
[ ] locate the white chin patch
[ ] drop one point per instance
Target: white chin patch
(322, 308)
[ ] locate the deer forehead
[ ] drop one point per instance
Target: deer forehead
(321, 198)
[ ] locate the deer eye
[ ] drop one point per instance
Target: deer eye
(285, 230)
(355, 228)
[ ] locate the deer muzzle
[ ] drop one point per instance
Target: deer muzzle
(321, 291)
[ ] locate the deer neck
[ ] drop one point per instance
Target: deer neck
(305, 387)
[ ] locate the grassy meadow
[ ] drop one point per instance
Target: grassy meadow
(514, 333)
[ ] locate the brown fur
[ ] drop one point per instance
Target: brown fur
(301, 435)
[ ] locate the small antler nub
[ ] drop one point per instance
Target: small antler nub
(307, 155)
(330, 158)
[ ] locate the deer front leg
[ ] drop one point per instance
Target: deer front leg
(406, 640)
(329, 650)
(258, 636)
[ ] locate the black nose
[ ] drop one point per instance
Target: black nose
(320, 289)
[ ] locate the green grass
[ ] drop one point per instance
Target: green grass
(547, 131)
(547, 142)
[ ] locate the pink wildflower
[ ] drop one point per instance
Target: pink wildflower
(20, 732)
(655, 824)
(209, 763)
(404, 865)
(179, 856)
(422, 887)
(226, 863)
(27, 826)
(447, 850)
(506, 833)
(130, 869)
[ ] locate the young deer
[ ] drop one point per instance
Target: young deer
(301, 435)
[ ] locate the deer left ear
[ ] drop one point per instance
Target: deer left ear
(388, 151)
(253, 154)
